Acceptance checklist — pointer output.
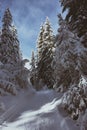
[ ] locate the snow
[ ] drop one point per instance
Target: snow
(31, 110)
(1, 63)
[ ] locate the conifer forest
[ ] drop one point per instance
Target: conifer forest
(51, 92)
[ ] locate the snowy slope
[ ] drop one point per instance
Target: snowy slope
(31, 110)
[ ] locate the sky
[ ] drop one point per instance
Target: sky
(28, 15)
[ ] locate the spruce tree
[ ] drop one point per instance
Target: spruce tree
(74, 100)
(40, 43)
(0, 46)
(77, 16)
(16, 48)
(44, 63)
(33, 69)
(11, 64)
(32, 61)
(68, 64)
(10, 51)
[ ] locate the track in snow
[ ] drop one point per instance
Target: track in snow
(37, 111)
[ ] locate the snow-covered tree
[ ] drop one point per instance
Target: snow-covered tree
(10, 52)
(13, 77)
(0, 43)
(46, 54)
(74, 100)
(76, 16)
(40, 43)
(13, 74)
(21, 74)
(68, 63)
(17, 52)
(32, 61)
(33, 69)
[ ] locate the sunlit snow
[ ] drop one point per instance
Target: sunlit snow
(40, 113)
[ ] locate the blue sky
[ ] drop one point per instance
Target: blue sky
(28, 16)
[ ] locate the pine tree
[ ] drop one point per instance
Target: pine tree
(40, 42)
(0, 46)
(13, 73)
(16, 48)
(68, 64)
(33, 69)
(10, 51)
(32, 61)
(77, 16)
(44, 63)
(74, 100)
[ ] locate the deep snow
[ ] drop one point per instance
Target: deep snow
(31, 110)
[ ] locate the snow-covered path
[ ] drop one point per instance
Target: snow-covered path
(36, 111)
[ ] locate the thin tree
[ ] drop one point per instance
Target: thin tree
(33, 69)
(40, 43)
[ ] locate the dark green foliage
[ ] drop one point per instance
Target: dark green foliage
(76, 16)
(9, 44)
(45, 54)
(74, 100)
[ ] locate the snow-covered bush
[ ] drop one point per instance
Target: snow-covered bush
(13, 77)
(7, 82)
(21, 74)
(8, 87)
(1, 64)
(2, 92)
(2, 107)
(83, 121)
(22, 78)
(74, 100)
